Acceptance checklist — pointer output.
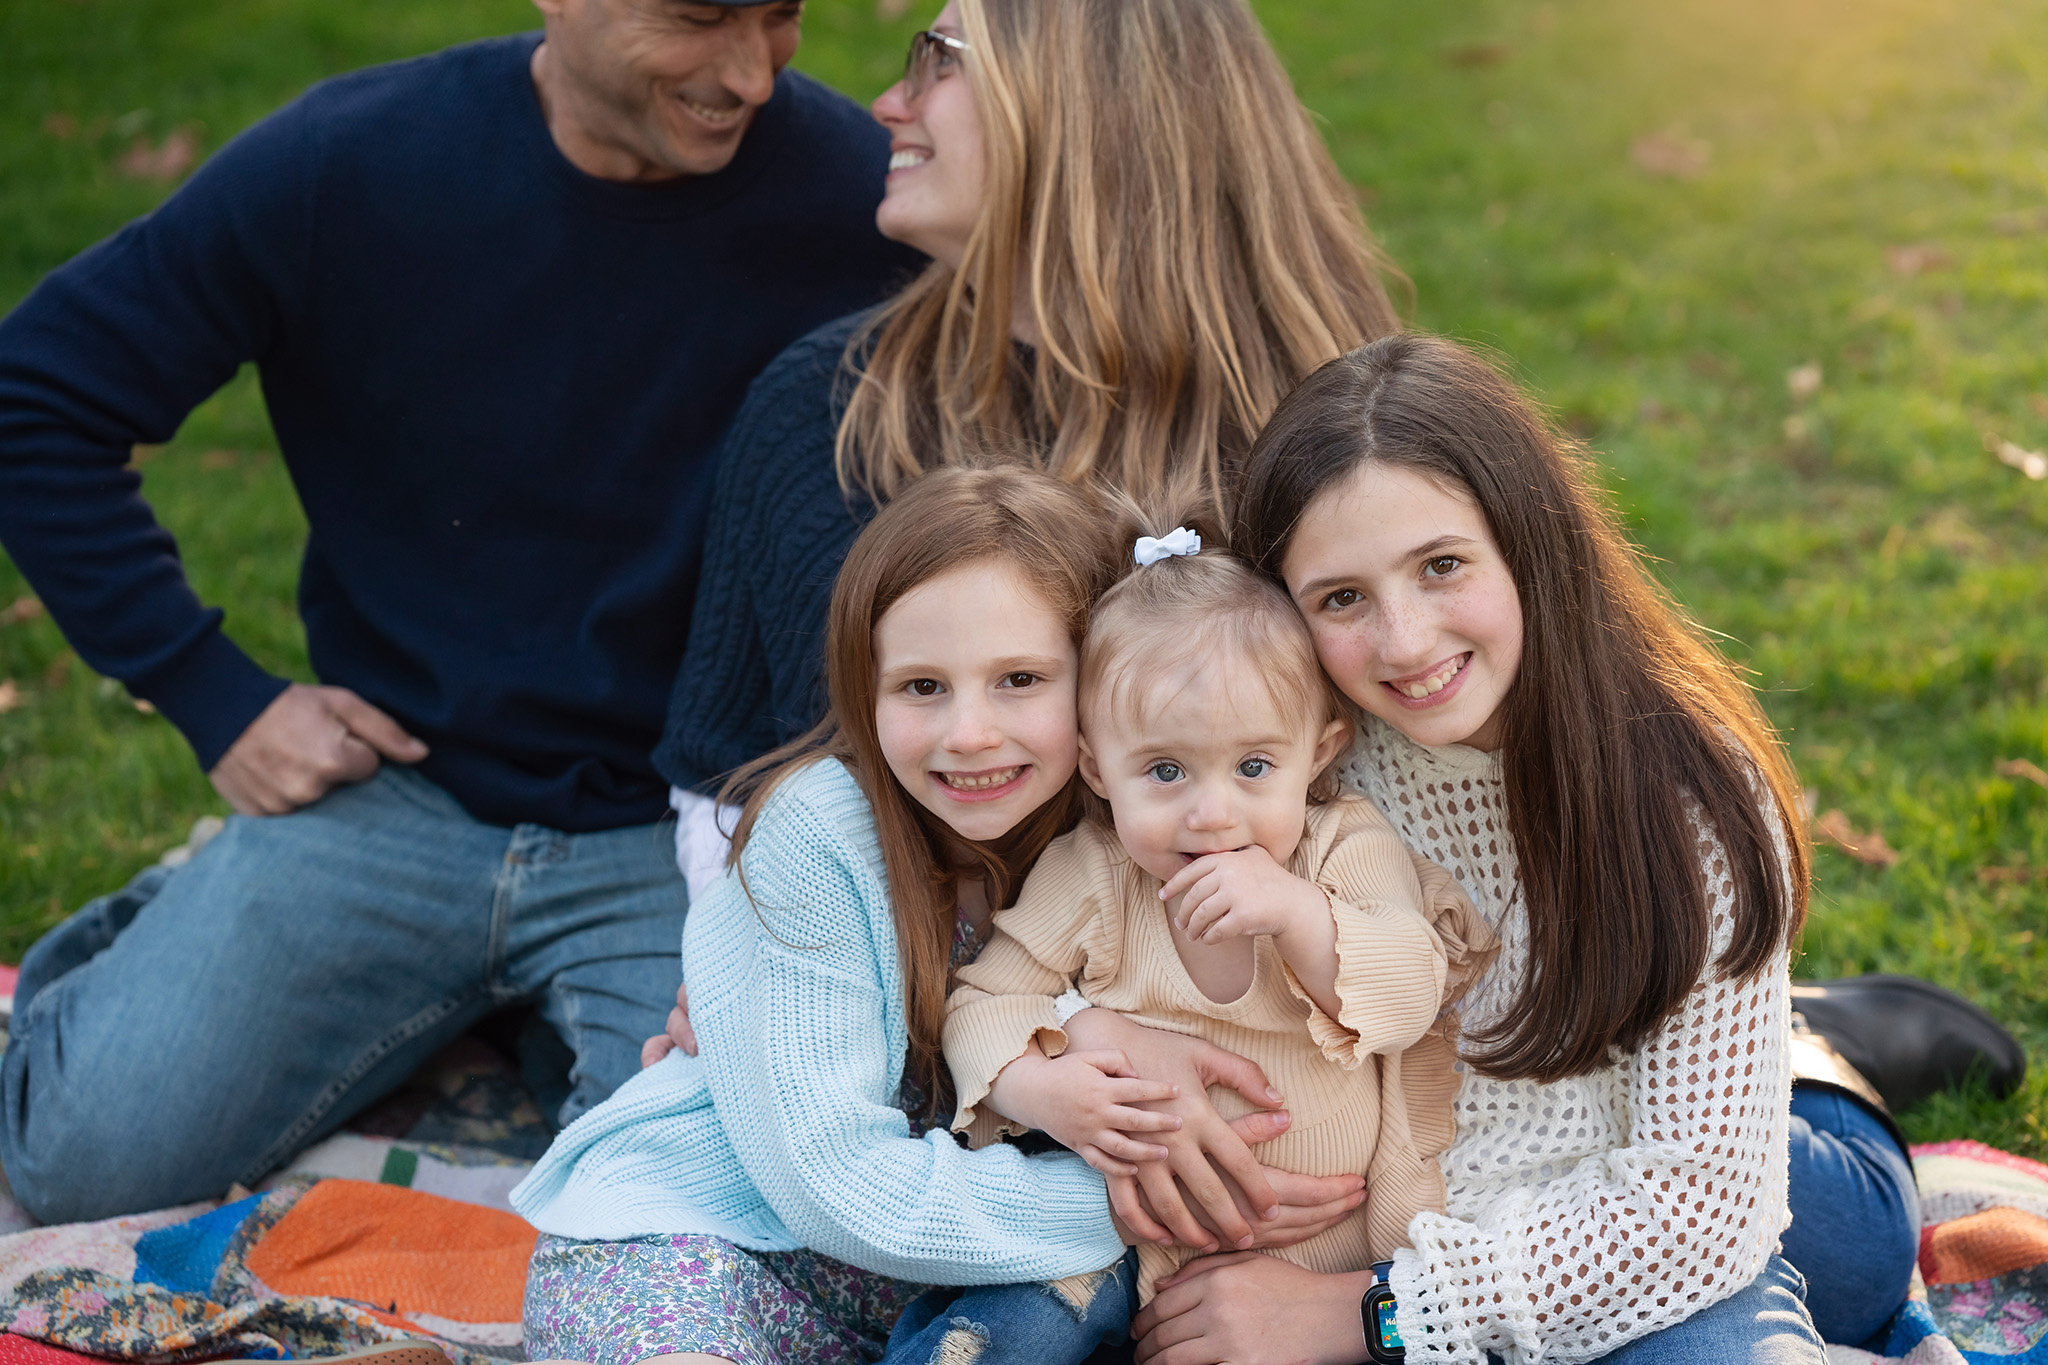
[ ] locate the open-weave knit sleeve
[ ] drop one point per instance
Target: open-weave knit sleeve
(1005, 996)
(1584, 1213)
(1679, 1216)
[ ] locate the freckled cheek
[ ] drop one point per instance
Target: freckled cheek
(1348, 657)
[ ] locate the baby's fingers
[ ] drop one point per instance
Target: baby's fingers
(1140, 1120)
(1187, 877)
(1103, 1161)
(1136, 1091)
(1123, 1147)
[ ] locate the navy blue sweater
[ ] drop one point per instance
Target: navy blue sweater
(753, 675)
(497, 383)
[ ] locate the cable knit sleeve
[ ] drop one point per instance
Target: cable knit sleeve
(803, 1039)
(752, 675)
(1005, 996)
(1678, 1213)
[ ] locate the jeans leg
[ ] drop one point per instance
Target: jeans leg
(84, 934)
(1765, 1323)
(594, 926)
(296, 969)
(1855, 1230)
(1061, 1323)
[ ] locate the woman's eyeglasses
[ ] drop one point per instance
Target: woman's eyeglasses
(933, 56)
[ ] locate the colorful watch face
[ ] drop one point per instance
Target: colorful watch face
(1390, 1334)
(1382, 1336)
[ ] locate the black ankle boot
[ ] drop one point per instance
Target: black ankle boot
(1909, 1038)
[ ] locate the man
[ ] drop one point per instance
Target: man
(502, 299)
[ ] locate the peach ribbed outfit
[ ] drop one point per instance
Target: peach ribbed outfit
(1369, 1091)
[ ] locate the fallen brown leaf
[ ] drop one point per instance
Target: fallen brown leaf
(21, 609)
(219, 459)
(2017, 221)
(1917, 258)
(1477, 54)
(145, 707)
(2019, 767)
(889, 11)
(164, 163)
(61, 126)
(10, 696)
(1672, 153)
(1804, 382)
(59, 671)
(1834, 828)
(2014, 876)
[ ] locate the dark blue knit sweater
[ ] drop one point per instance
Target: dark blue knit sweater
(753, 674)
(497, 383)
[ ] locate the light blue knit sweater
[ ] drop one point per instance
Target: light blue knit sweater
(782, 1132)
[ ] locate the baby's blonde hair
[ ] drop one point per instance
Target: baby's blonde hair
(1163, 624)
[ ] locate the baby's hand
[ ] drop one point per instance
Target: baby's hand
(1240, 894)
(1082, 1099)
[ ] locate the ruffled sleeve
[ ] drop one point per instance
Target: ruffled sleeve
(1004, 999)
(1408, 937)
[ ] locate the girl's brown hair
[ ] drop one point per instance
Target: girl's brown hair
(1052, 533)
(1167, 214)
(1624, 728)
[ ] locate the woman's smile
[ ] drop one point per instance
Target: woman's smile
(1433, 685)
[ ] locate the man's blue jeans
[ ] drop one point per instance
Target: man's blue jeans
(204, 1023)
(1060, 1323)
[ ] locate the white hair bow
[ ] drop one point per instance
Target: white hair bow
(1179, 541)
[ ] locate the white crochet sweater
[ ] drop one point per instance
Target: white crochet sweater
(1583, 1214)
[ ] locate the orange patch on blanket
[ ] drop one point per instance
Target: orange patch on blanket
(399, 1249)
(1981, 1245)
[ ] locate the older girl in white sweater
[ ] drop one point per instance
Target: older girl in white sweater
(1541, 721)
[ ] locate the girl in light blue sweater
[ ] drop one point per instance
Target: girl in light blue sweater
(779, 1198)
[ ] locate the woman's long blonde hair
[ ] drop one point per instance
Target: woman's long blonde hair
(1179, 232)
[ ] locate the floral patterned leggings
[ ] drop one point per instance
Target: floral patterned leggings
(615, 1303)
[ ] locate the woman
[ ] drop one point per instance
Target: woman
(1139, 243)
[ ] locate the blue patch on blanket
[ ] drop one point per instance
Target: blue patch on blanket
(184, 1256)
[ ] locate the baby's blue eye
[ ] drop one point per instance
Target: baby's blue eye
(1255, 767)
(1164, 772)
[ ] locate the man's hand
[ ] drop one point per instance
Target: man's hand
(304, 745)
(677, 1034)
(1082, 1101)
(1240, 894)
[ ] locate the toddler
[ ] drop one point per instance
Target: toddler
(1230, 892)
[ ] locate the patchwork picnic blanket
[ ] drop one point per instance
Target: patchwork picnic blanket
(376, 1235)
(1981, 1292)
(397, 1228)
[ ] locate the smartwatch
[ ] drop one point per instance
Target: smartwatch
(1376, 1313)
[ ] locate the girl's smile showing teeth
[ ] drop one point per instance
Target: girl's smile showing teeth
(1426, 685)
(983, 786)
(908, 157)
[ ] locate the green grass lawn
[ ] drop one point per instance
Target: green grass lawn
(1659, 212)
